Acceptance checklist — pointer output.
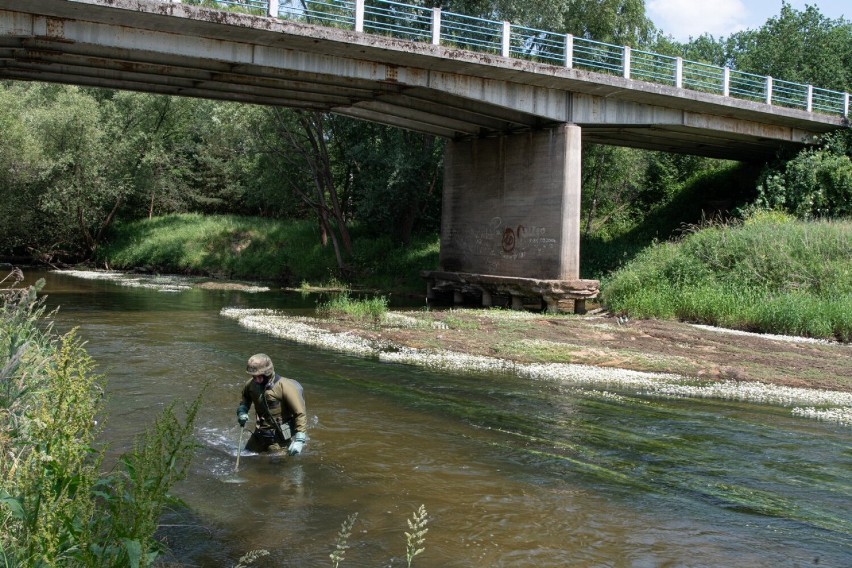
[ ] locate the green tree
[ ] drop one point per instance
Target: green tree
(397, 179)
(815, 183)
(617, 21)
(799, 46)
(22, 166)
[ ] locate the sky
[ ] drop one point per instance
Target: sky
(684, 18)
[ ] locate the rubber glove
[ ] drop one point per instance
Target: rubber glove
(242, 416)
(297, 444)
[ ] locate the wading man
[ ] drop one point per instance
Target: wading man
(279, 407)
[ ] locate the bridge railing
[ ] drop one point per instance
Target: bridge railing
(417, 23)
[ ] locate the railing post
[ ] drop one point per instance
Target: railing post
(625, 62)
(679, 72)
(846, 105)
(726, 81)
(272, 9)
(768, 90)
(359, 15)
(810, 98)
(436, 26)
(569, 51)
(507, 39)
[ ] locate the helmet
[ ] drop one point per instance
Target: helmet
(260, 364)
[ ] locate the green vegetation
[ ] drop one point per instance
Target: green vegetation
(286, 252)
(58, 508)
(769, 273)
(365, 310)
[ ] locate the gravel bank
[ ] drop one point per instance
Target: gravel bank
(817, 404)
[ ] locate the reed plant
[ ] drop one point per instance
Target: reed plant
(769, 273)
(57, 508)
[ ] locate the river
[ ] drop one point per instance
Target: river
(511, 472)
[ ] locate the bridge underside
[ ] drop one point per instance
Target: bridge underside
(177, 49)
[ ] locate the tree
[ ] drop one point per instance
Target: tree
(22, 166)
(816, 183)
(396, 186)
(617, 21)
(305, 144)
(798, 46)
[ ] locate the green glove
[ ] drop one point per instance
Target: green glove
(297, 444)
(242, 415)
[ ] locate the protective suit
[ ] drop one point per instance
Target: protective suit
(279, 406)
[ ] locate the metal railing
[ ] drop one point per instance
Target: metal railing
(419, 24)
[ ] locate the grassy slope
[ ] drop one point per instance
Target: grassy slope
(250, 248)
(769, 274)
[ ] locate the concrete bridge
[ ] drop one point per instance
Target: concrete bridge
(515, 112)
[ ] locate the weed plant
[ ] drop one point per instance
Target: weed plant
(372, 310)
(56, 507)
(414, 541)
(768, 274)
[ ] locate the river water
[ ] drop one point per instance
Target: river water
(511, 472)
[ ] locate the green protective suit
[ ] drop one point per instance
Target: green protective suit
(279, 399)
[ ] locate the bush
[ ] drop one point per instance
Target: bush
(816, 183)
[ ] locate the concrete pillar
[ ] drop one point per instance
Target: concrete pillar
(517, 303)
(430, 293)
(457, 297)
(511, 205)
(571, 203)
(487, 301)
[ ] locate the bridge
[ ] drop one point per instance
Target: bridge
(516, 104)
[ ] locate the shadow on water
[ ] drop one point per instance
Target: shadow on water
(512, 472)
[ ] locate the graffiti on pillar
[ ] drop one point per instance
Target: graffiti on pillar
(511, 237)
(496, 240)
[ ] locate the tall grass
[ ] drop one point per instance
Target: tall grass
(287, 252)
(769, 274)
(371, 310)
(56, 507)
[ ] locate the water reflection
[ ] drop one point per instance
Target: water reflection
(512, 472)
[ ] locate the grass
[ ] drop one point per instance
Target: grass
(371, 309)
(768, 274)
(286, 252)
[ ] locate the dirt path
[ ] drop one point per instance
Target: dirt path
(643, 345)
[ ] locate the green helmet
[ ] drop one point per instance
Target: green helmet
(260, 364)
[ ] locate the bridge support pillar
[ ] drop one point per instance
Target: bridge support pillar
(511, 217)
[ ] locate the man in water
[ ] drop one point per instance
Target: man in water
(279, 407)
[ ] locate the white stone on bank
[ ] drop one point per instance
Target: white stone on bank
(836, 405)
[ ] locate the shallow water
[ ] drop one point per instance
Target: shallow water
(512, 472)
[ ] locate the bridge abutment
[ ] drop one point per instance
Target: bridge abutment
(511, 220)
